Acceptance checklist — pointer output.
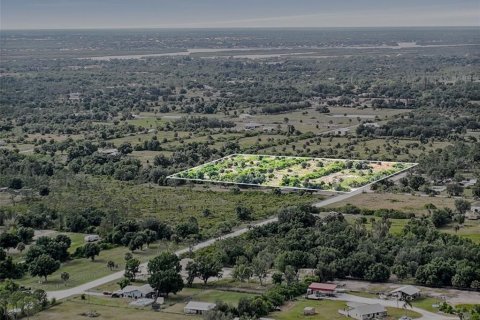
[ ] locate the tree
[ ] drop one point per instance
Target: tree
(243, 213)
(132, 267)
(8, 240)
(90, 250)
(65, 277)
(454, 189)
(441, 217)
(123, 283)
(242, 272)
(110, 265)
(165, 275)
(192, 272)
(261, 264)
(462, 205)
(25, 234)
(16, 183)
(401, 271)
(125, 148)
(277, 278)
(137, 242)
(43, 266)
(415, 182)
(290, 274)
(378, 272)
(208, 266)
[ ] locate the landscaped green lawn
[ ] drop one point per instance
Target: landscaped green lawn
(426, 303)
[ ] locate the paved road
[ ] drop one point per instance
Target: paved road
(61, 294)
(426, 315)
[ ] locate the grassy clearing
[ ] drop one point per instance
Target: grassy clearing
(426, 303)
(470, 230)
(403, 202)
(327, 310)
(73, 308)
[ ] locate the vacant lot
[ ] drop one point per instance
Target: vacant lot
(403, 202)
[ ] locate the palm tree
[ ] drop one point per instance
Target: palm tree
(406, 302)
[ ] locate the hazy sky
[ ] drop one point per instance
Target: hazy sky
(41, 14)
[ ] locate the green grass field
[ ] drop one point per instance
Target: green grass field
(327, 310)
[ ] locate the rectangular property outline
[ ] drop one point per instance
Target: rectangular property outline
(175, 175)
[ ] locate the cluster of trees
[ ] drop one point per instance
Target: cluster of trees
(445, 163)
(44, 257)
(136, 234)
(25, 302)
(421, 125)
(280, 108)
(338, 249)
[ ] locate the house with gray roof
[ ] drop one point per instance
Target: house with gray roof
(197, 307)
(361, 311)
(408, 291)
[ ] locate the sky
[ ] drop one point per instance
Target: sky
(68, 14)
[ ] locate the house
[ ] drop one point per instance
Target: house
(252, 126)
(136, 292)
(364, 311)
(407, 291)
(475, 207)
(74, 96)
(321, 289)
(197, 307)
(91, 238)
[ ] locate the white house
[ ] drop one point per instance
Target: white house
(136, 292)
(197, 307)
(364, 311)
(91, 238)
(474, 213)
(409, 291)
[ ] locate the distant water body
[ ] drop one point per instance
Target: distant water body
(242, 54)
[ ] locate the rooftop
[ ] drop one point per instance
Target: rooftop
(322, 286)
(197, 305)
(410, 290)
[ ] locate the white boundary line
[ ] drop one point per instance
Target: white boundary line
(175, 177)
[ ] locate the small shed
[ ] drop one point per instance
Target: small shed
(308, 311)
(91, 238)
(197, 307)
(408, 291)
(135, 292)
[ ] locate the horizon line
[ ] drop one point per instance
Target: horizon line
(233, 28)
